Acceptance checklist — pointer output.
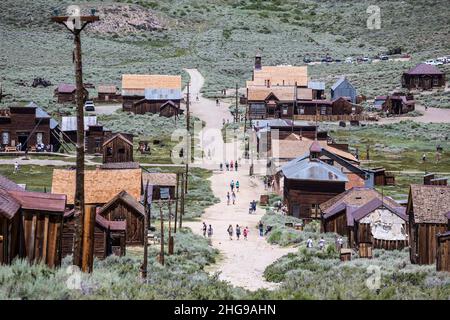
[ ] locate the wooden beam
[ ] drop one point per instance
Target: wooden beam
(87, 260)
(62, 19)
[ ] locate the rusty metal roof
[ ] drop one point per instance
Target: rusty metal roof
(315, 170)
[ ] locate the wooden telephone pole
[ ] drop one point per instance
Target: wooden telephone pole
(182, 201)
(161, 253)
(176, 203)
(76, 24)
(144, 267)
(236, 115)
(188, 137)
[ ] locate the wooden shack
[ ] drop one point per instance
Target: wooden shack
(423, 76)
(164, 184)
(397, 104)
(109, 236)
(343, 88)
(107, 93)
(382, 177)
(427, 207)
(117, 149)
(338, 216)
(65, 93)
(95, 137)
(28, 126)
(124, 207)
(308, 182)
(30, 226)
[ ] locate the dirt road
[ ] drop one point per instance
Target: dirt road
(243, 261)
(436, 115)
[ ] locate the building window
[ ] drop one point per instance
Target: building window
(98, 142)
(39, 138)
(285, 111)
(435, 81)
(416, 81)
(109, 151)
(323, 111)
(121, 151)
(315, 212)
(302, 110)
(5, 137)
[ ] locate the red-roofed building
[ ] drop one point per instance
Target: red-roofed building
(423, 76)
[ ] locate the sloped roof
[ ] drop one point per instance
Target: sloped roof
(430, 203)
(315, 147)
(70, 123)
(277, 74)
(340, 81)
(9, 206)
(376, 203)
(135, 84)
(107, 88)
(111, 225)
(8, 185)
(118, 136)
(316, 170)
(316, 85)
(66, 88)
(159, 179)
(423, 68)
(40, 201)
(304, 94)
(126, 198)
(162, 94)
(41, 114)
(120, 165)
(100, 185)
(262, 93)
(357, 197)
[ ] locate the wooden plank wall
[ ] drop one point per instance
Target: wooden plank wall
(134, 221)
(427, 244)
(343, 117)
(443, 254)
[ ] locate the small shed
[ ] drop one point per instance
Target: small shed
(107, 93)
(427, 209)
(343, 88)
(117, 149)
(124, 207)
(65, 93)
(164, 184)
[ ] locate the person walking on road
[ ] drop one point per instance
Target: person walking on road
(204, 228)
(230, 231)
(261, 228)
(236, 165)
(227, 166)
(16, 167)
(245, 233)
(233, 196)
(238, 231)
(232, 185)
(237, 185)
(321, 243)
(210, 231)
(231, 165)
(228, 198)
(221, 166)
(309, 243)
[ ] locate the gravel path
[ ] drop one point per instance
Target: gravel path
(244, 261)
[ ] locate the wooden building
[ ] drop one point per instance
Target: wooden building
(109, 236)
(382, 177)
(308, 182)
(69, 127)
(397, 104)
(117, 149)
(427, 208)
(159, 94)
(360, 214)
(108, 93)
(30, 225)
(124, 207)
(342, 88)
(443, 252)
(28, 126)
(424, 77)
(116, 192)
(65, 93)
(164, 184)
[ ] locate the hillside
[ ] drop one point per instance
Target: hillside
(218, 37)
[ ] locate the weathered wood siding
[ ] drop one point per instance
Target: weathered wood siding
(443, 254)
(423, 244)
(117, 150)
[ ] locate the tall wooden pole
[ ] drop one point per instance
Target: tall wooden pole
(170, 251)
(144, 267)
(161, 254)
(188, 138)
(182, 201)
(176, 203)
(75, 29)
(236, 116)
(87, 261)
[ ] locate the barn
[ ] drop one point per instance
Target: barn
(423, 76)
(30, 225)
(427, 208)
(117, 149)
(164, 184)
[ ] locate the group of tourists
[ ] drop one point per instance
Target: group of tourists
(207, 230)
(232, 196)
(238, 231)
(321, 243)
(229, 165)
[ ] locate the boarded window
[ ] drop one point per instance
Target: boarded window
(121, 150)
(39, 137)
(323, 110)
(164, 193)
(5, 137)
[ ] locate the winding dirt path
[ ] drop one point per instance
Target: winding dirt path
(243, 261)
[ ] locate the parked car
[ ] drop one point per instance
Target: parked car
(306, 60)
(349, 60)
(383, 57)
(444, 60)
(89, 105)
(433, 62)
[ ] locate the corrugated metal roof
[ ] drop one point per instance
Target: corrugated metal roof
(70, 123)
(316, 85)
(162, 94)
(41, 114)
(305, 169)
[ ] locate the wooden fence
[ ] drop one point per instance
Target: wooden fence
(332, 118)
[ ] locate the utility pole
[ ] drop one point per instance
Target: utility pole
(182, 201)
(87, 260)
(161, 253)
(236, 116)
(176, 203)
(144, 268)
(170, 251)
(75, 24)
(188, 137)
(295, 106)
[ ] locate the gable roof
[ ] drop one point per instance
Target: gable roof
(107, 88)
(111, 225)
(162, 93)
(118, 136)
(429, 203)
(305, 169)
(376, 203)
(281, 75)
(126, 198)
(135, 84)
(9, 206)
(357, 197)
(8, 185)
(159, 179)
(423, 68)
(40, 201)
(100, 185)
(66, 88)
(70, 123)
(263, 93)
(339, 82)
(119, 165)
(41, 114)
